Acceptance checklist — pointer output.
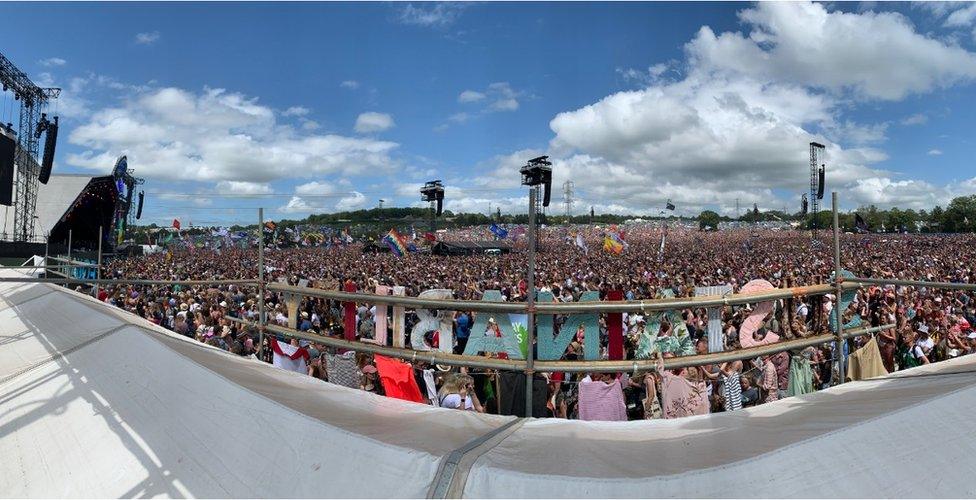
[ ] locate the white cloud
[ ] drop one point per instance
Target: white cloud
(296, 111)
(503, 97)
(934, 152)
(147, 38)
(876, 55)
(349, 84)
(373, 122)
(354, 201)
(52, 61)
(962, 17)
(215, 135)
(239, 187)
(297, 205)
(439, 14)
(916, 119)
(314, 188)
(470, 96)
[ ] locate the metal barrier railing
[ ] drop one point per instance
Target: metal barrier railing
(530, 365)
(564, 307)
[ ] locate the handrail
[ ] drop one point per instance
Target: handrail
(72, 262)
(444, 358)
(127, 281)
(564, 307)
(929, 284)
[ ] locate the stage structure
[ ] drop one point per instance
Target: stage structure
(102, 202)
(33, 123)
(818, 168)
(433, 192)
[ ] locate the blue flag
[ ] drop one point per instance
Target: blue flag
(499, 232)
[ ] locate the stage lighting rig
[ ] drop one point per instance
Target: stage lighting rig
(433, 191)
(538, 172)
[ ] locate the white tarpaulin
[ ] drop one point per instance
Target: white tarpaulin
(95, 402)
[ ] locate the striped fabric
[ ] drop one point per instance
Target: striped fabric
(732, 390)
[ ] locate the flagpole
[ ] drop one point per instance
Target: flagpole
(530, 319)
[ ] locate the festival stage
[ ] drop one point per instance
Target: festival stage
(95, 402)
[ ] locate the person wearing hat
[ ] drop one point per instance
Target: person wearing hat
(370, 380)
(305, 325)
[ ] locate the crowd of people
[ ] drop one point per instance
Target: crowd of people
(929, 324)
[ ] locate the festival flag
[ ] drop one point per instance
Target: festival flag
(176, 224)
(289, 357)
(670, 206)
(611, 245)
(270, 225)
(499, 232)
(860, 224)
(395, 242)
(429, 236)
(582, 244)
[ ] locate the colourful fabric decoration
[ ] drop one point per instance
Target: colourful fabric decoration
(845, 300)
(397, 379)
(342, 369)
(755, 319)
(552, 347)
(499, 232)
(866, 362)
(483, 340)
(601, 401)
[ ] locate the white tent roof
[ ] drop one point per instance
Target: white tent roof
(53, 199)
(97, 403)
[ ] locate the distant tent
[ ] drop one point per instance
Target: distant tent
(470, 247)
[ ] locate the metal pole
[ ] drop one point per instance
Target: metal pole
(838, 279)
(261, 318)
(70, 268)
(98, 270)
(47, 242)
(529, 358)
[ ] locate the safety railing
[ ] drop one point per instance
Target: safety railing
(294, 294)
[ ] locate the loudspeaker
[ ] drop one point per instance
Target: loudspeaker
(8, 148)
(142, 196)
(50, 142)
(820, 183)
(440, 206)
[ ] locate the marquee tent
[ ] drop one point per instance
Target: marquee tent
(95, 402)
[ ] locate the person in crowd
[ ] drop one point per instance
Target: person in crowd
(930, 324)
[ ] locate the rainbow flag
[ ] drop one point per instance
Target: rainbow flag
(611, 245)
(396, 243)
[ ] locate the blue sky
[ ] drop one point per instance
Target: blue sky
(316, 107)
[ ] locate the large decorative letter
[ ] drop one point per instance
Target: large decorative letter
(431, 319)
(552, 347)
(758, 315)
(484, 340)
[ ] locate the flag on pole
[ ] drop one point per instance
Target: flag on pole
(582, 244)
(670, 206)
(395, 242)
(499, 232)
(176, 223)
(611, 245)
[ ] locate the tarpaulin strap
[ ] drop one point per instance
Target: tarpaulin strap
(452, 472)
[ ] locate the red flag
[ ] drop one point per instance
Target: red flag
(397, 379)
(430, 236)
(176, 223)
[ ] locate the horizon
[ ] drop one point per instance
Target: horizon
(318, 108)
